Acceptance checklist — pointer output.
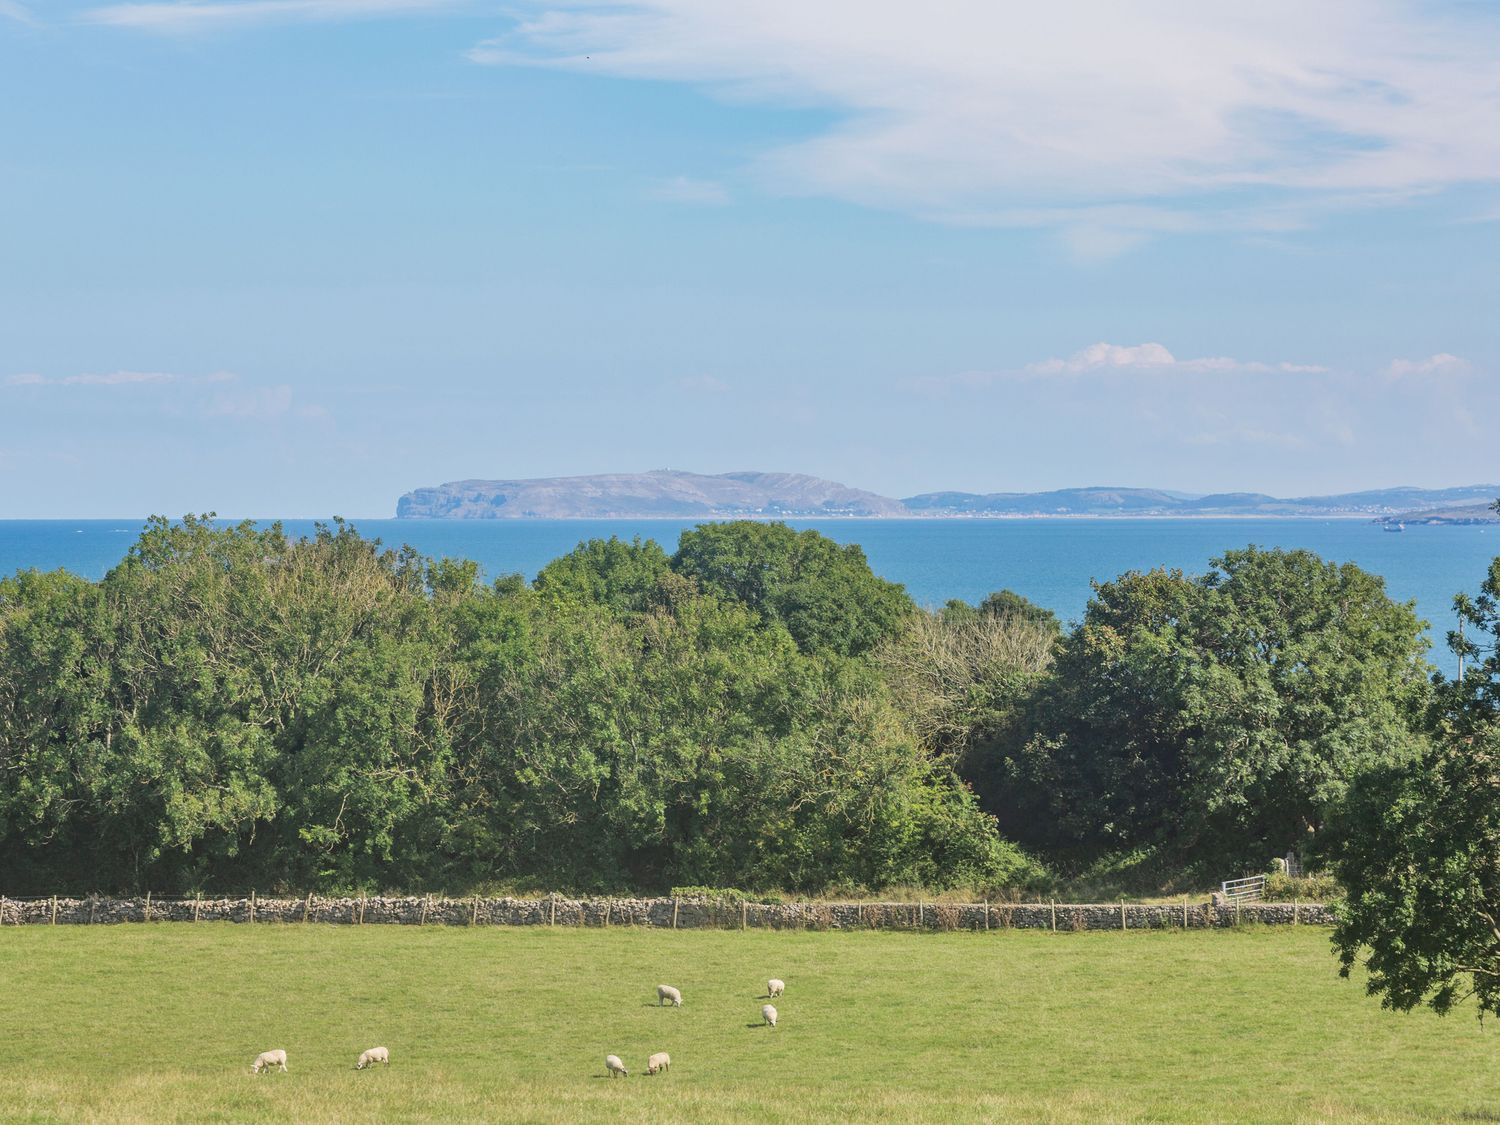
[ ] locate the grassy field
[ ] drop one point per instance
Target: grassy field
(159, 1023)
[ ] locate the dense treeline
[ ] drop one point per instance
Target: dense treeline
(231, 708)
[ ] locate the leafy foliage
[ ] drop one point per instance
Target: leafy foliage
(1220, 717)
(1418, 849)
(232, 708)
(823, 593)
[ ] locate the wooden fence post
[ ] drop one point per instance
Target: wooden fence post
(306, 906)
(744, 912)
(93, 905)
(1236, 912)
(54, 910)
(1054, 915)
(361, 910)
(921, 916)
(146, 914)
(197, 903)
(986, 915)
(474, 913)
(1122, 915)
(674, 912)
(422, 917)
(608, 906)
(1294, 912)
(1184, 913)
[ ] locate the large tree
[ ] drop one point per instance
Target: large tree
(1220, 717)
(1417, 845)
(1417, 849)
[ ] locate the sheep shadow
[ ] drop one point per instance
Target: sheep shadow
(758, 1023)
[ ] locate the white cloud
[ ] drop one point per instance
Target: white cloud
(682, 189)
(1440, 364)
(209, 15)
(1256, 115)
(114, 379)
(1116, 360)
(14, 9)
(1155, 357)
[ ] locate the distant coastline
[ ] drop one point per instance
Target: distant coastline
(669, 494)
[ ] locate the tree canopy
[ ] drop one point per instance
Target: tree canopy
(231, 708)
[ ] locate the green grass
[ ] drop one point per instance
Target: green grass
(159, 1023)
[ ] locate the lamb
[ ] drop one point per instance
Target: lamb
(775, 987)
(665, 992)
(613, 1064)
(372, 1056)
(658, 1062)
(768, 1013)
(268, 1059)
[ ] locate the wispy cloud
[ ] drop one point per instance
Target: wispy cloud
(254, 402)
(191, 16)
(1155, 357)
(1440, 364)
(15, 10)
(115, 379)
(1046, 114)
(218, 395)
(1105, 359)
(682, 189)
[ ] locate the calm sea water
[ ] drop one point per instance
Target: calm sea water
(1051, 561)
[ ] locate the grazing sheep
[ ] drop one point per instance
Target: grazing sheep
(268, 1059)
(613, 1064)
(372, 1056)
(658, 1062)
(768, 1014)
(665, 992)
(775, 987)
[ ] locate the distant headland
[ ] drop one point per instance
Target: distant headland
(674, 494)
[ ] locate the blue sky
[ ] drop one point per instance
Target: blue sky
(295, 257)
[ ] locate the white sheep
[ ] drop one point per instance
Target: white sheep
(768, 1013)
(775, 987)
(665, 992)
(658, 1062)
(372, 1056)
(268, 1059)
(613, 1064)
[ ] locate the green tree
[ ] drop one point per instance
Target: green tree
(1474, 697)
(1221, 717)
(1417, 849)
(624, 577)
(823, 593)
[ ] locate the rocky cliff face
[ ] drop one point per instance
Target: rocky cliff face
(665, 493)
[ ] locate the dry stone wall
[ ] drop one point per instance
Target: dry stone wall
(661, 913)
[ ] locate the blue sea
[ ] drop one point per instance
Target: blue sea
(1051, 561)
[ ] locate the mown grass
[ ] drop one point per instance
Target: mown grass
(159, 1023)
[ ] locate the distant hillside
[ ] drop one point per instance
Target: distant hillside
(1064, 501)
(1102, 501)
(1465, 514)
(664, 493)
(673, 494)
